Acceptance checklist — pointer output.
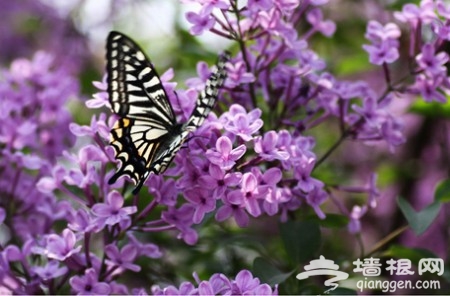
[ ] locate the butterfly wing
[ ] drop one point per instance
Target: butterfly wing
(137, 96)
(208, 97)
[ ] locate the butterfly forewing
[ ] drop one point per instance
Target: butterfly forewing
(133, 85)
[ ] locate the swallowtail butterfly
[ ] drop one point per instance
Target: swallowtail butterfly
(147, 136)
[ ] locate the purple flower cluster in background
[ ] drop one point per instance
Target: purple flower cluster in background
(254, 158)
(219, 284)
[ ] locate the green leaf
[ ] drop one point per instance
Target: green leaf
(419, 221)
(268, 273)
(442, 193)
(301, 239)
(334, 221)
(413, 254)
(431, 109)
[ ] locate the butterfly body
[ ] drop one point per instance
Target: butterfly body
(147, 136)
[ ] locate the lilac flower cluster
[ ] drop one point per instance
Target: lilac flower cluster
(257, 160)
(34, 24)
(219, 284)
(254, 158)
(34, 131)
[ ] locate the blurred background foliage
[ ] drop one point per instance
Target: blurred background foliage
(74, 31)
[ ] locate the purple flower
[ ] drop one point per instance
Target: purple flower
(354, 225)
(209, 5)
(123, 258)
(202, 21)
(149, 250)
(371, 112)
(101, 98)
(229, 209)
(164, 191)
(384, 48)
(220, 284)
(302, 172)
(377, 33)
(61, 247)
(89, 284)
(237, 74)
(248, 195)
(186, 288)
(269, 20)
(218, 181)
(443, 9)
(112, 211)
(259, 5)
(392, 132)
(12, 253)
(315, 198)
(386, 52)
(203, 72)
(244, 283)
(432, 63)
(428, 88)
(239, 123)
(82, 222)
(286, 5)
(315, 18)
(99, 126)
(181, 218)
(413, 14)
(266, 147)
(50, 271)
(224, 155)
(244, 127)
(202, 201)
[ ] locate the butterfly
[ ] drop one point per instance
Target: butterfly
(147, 136)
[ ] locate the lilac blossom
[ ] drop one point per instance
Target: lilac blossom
(315, 198)
(386, 52)
(89, 284)
(230, 209)
(219, 284)
(112, 211)
(122, 258)
(50, 270)
(354, 225)
(432, 63)
(201, 21)
(201, 200)
(266, 147)
(238, 122)
(429, 88)
(61, 247)
(224, 155)
(218, 181)
(248, 195)
(384, 47)
(315, 18)
(238, 74)
(145, 249)
(413, 14)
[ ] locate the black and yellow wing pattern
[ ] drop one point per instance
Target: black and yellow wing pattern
(147, 136)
